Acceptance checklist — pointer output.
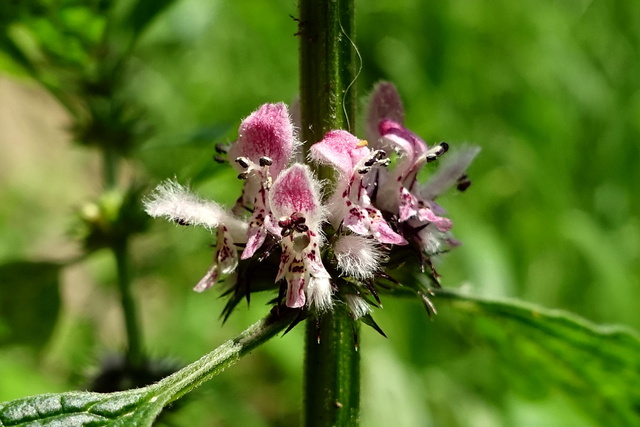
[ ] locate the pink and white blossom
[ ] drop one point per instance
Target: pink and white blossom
(295, 199)
(266, 143)
(351, 204)
(376, 214)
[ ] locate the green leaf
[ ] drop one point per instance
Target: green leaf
(144, 12)
(29, 301)
(77, 409)
(138, 407)
(598, 367)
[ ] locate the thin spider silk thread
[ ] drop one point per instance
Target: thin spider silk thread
(346, 91)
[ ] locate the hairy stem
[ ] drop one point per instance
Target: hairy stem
(327, 102)
(327, 67)
(227, 354)
(332, 372)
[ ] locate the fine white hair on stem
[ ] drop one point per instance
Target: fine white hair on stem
(176, 203)
(448, 173)
(358, 306)
(357, 256)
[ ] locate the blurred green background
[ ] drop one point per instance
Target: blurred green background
(550, 90)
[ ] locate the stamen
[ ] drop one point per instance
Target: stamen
(380, 154)
(243, 175)
(463, 183)
(243, 162)
(222, 148)
(265, 161)
(297, 218)
(284, 222)
(437, 151)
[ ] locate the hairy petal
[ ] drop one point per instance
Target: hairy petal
(357, 305)
(176, 203)
(296, 190)
(319, 293)
(268, 131)
(357, 256)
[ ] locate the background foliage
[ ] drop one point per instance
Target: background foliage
(549, 89)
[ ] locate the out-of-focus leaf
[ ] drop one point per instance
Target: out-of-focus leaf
(29, 301)
(12, 58)
(143, 12)
(141, 406)
(598, 367)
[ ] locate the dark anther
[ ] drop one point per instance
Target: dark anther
(463, 183)
(297, 218)
(286, 231)
(364, 170)
(221, 148)
(284, 223)
(243, 161)
(181, 221)
(384, 162)
(243, 175)
(301, 228)
(437, 151)
(265, 161)
(370, 162)
(218, 159)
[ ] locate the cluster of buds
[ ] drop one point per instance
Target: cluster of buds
(325, 250)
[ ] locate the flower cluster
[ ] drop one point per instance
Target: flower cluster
(330, 249)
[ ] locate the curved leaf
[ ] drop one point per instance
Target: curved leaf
(598, 367)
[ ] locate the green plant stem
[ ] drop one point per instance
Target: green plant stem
(327, 67)
(192, 376)
(120, 249)
(135, 352)
(332, 372)
(327, 102)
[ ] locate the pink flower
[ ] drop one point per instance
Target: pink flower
(295, 201)
(266, 143)
(400, 192)
(380, 215)
(351, 204)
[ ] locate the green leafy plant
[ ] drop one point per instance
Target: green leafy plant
(90, 56)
